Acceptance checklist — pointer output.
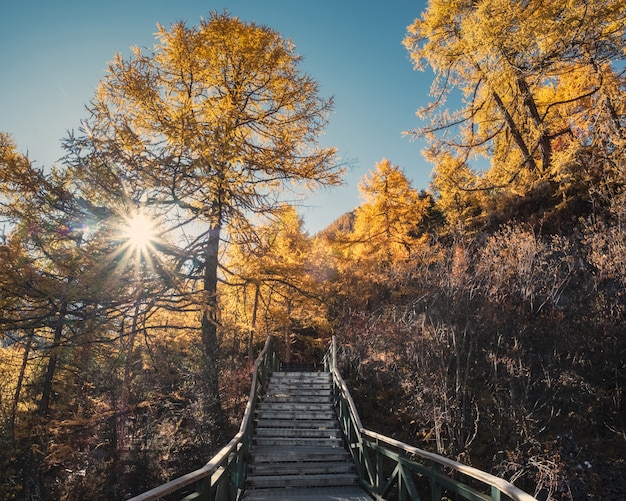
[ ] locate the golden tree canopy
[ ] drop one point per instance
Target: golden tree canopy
(536, 82)
(213, 120)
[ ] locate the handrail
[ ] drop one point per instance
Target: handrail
(223, 477)
(362, 441)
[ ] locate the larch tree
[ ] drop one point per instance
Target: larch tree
(51, 271)
(533, 83)
(34, 292)
(386, 226)
(205, 130)
(270, 279)
(387, 222)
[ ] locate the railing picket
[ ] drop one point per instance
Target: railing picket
(379, 472)
(408, 483)
(495, 494)
(435, 486)
(400, 482)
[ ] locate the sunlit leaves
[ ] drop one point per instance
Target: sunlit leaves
(530, 84)
(386, 236)
(270, 273)
(214, 110)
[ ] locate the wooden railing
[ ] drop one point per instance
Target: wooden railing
(223, 477)
(390, 469)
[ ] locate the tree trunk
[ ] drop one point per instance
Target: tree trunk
(255, 309)
(46, 395)
(123, 410)
(515, 133)
(20, 380)
(543, 143)
(210, 321)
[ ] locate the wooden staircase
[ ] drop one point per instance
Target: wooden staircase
(297, 445)
(288, 447)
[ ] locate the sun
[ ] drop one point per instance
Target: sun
(139, 232)
(136, 241)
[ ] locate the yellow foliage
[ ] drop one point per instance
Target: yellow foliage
(386, 225)
(272, 286)
(539, 84)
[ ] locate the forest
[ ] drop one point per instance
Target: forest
(483, 318)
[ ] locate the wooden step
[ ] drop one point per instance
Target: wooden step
(295, 406)
(293, 415)
(299, 399)
(298, 468)
(299, 379)
(299, 367)
(296, 379)
(294, 454)
(293, 392)
(298, 441)
(338, 493)
(290, 389)
(306, 422)
(299, 432)
(301, 374)
(286, 481)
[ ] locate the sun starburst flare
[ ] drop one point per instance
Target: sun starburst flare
(140, 232)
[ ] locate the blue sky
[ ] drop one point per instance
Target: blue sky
(52, 55)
